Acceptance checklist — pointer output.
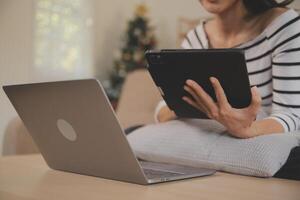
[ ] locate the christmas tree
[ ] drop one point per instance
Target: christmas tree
(139, 38)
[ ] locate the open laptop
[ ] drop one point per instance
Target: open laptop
(76, 130)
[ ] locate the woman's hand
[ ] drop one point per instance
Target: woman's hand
(237, 121)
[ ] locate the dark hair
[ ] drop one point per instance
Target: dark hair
(259, 6)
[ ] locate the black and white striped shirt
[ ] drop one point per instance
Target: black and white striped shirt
(273, 62)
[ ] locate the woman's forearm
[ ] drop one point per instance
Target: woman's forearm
(266, 127)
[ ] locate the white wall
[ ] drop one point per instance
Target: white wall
(15, 51)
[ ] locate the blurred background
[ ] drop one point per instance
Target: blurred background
(49, 40)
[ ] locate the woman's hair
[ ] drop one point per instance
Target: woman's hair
(259, 6)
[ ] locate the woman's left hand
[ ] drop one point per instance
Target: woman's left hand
(237, 121)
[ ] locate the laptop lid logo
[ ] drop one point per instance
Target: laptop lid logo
(66, 130)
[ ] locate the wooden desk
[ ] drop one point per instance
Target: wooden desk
(28, 177)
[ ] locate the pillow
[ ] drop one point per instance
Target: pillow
(205, 143)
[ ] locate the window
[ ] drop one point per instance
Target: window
(62, 38)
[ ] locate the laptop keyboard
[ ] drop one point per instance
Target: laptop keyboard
(150, 173)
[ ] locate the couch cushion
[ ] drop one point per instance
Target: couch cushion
(138, 100)
(203, 143)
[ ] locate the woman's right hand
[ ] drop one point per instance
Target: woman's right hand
(165, 114)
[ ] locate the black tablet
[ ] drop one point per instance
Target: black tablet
(171, 68)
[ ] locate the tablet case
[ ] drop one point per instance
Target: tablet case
(171, 68)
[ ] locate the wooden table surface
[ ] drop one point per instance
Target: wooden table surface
(28, 177)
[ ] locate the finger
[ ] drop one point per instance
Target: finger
(196, 97)
(256, 100)
(220, 94)
(192, 103)
(191, 92)
(195, 105)
(205, 98)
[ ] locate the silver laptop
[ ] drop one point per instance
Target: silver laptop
(76, 130)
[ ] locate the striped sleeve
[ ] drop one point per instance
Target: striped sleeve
(186, 44)
(193, 39)
(286, 77)
(159, 106)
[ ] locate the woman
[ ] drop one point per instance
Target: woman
(269, 33)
